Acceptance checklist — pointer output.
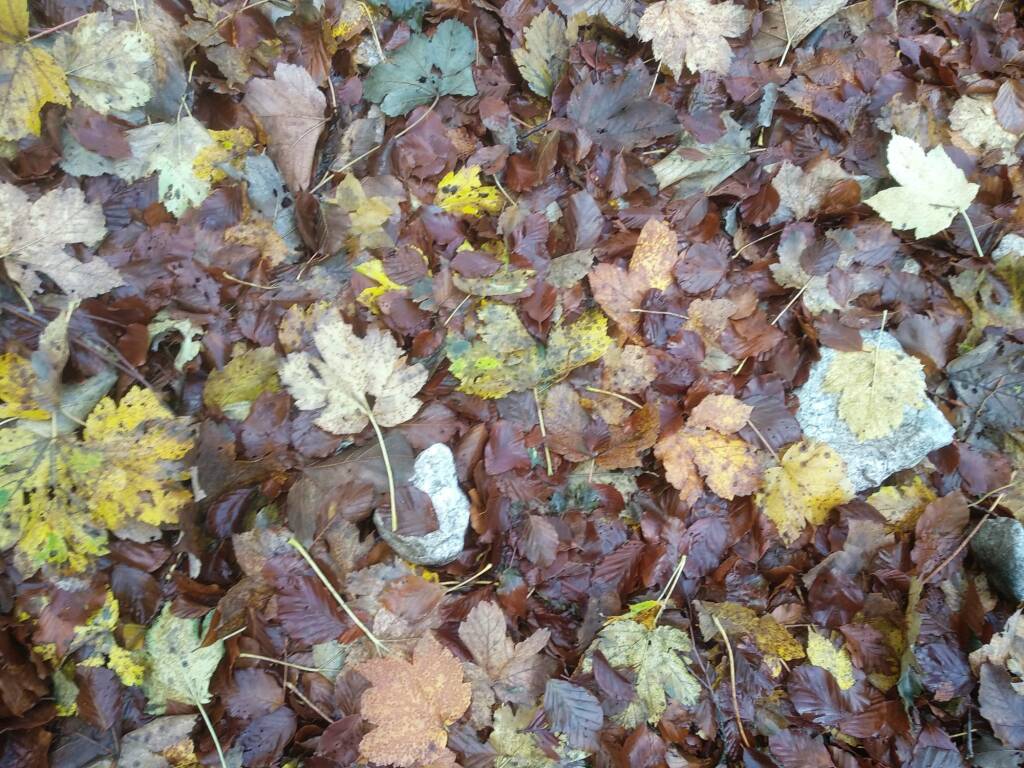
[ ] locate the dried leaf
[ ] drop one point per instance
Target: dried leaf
(771, 638)
(693, 32)
(242, 380)
(462, 193)
(802, 192)
(786, 23)
(179, 667)
(544, 53)
(697, 167)
(366, 214)
(574, 711)
(170, 150)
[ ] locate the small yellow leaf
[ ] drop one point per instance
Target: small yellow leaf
(655, 255)
(374, 269)
(901, 505)
(366, 214)
(462, 193)
(804, 488)
(228, 149)
(771, 638)
(875, 387)
(17, 380)
(241, 381)
(29, 78)
(821, 653)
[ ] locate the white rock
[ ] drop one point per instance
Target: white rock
(434, 474)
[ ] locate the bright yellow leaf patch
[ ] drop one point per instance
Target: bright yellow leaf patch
(821, 653)
(242, 380)
(463, 193)
(16, 384)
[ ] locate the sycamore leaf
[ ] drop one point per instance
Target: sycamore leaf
(809, 481)
(33, 236)
(902, 505)
(179, 667)
(786, 23)
(544, 53)
(17, 389)
(875, 386)
(622, 14)
(462, 193)
(29, 77)
(693, 32)
(771, 638)
(366, 214)
(516, 670)
(290, 108)
(653, 655)
(348, 370)
(505, 357)
(412, 703)
(125, 468)
(170, 150)
(423, 69)
(620, 291)
(247, 376)
(821, 653)
(109, 64)
(931, 191)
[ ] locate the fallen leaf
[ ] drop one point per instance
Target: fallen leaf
(902, 505)
(574, 711)
(772, 639)
(179, 666)
(170, 150)
(808, 483)
(245, 377)
(623, 14)
(696, 167)
(544, 52)
(412, 703)
(723, 413)
(786, 23)
(462, 193)
(801, 192)
(366, 214)
(822, 653)
(290, 108)
(693, 32)
(976, 129)
(931, 191)
(33, 236)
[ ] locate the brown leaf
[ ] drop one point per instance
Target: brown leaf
(1009, 105)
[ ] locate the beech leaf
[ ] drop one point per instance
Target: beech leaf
(574, 711)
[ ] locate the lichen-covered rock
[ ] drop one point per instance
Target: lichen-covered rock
(434, 474)
(870, 462)
(998, 546)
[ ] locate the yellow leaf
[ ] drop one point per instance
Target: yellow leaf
(901, 505)
(821, 653)
(723, 413)
(29, 78)
(13, 21)
(374, 269)
(366, 214)
(809, 482)
(17, 381)
(771, 638)
(875, 387)
(259, 233)
(463, 193)
(70, 491)
(228, 149)
(123, 663)
(241, 381)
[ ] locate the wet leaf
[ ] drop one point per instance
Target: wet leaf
(544, 52)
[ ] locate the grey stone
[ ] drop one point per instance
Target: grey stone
(998, 546)
(869, 462)
(434, 474)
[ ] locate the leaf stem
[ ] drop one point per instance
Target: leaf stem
(543, 432)
(387, 469)
(381, 648)
(974, 235)
(670, 587)
(271, 660)
(732, 681)
(623, 398)
(209, 727)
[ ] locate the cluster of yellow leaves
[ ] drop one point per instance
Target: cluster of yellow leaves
(505, 357)
(247, 376)
(902, 505)
(875, 388)
(809, 481)
(708, 447)
(463, 193)
(366, 212)
(412, 703)
(60, 494)
(770, 637)
(620, 291)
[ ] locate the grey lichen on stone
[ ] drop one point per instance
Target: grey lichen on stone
(870, 462)
(999, 549)
(434, 474)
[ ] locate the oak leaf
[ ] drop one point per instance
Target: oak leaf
(544, 52)
(347, 371)
(693, 32)
(875, 388)
(179, 666)
(33, 236)
(931, 191)
(412, 703)
(809, 481)
(772, 639)
(290, 108)
(462, 193)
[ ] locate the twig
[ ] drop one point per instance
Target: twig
(295, 689)
(57, 28)
(732, 681)
(974, 235)
(381, 648)
(965, 542)
(670, 587)
(387, 468)
(457, 308)
(469, 580)
(742, 248)
(766, 443)
(543, 432)
(501, 189)
(240, 281)
(789, 40)
(209, 726)
(660, 312)
(418, 120)
(792, 301)
(271, 660)
(623, 398)
(373, 31)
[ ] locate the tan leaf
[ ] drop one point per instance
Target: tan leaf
(787, 22)
(655, 254)
(412, 703)
(693, 32)
(723, 413)
(564, 420)
(349, 369)
(544, 53)
(709, 317)
(803, 191)
(631, 439)
(33, 237)
(976, 129)
(729, 464)
(290, 108)
(676, 457)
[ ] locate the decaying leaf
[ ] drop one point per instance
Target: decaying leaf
(696, 167)
(772, 639)
(822, 653)
(411, 703)
(178, 667)
(33, 236)
(809, 481)
(462, 193)
(544, 52)
(693, 32)
(931, 191)
(802, 191)
(902, 505)
(785, 24)
(247, 376)
(170, 150)
(366, 213)
(653, 656)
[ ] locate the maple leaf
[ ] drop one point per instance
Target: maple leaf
(653, 655)
(179, 666)
(290, 108)
(693, 32)
(29, 77)
(822, 653)
(462, 193)
(771, 638)
(247, 376)
(505, 358)
(620, 291)
(423, 69)
(544, 53)
(931, 191)
(65, 492)
(786, 23)
(170, 150)
(102, 81)
(33, 236)
(808, 483)
(707, 446)
(516, 670)
(412, 703)
(875, 387)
